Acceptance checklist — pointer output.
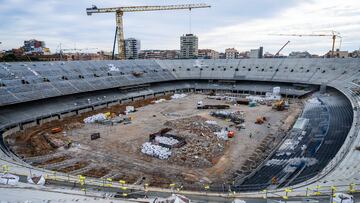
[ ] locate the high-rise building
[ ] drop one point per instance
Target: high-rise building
(132, 48)
(231, 53)
(208, 54)
(256, 53)
(188, 46)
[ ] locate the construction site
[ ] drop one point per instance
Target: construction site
(189, 139)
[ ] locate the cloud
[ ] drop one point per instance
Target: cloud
(242, 24)
(318, 16)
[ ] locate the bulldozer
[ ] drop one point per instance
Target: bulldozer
(279, 105)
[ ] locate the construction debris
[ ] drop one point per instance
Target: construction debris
(95, 118)
(200, 105)
(236, 117)
(95, 136)
(202, 144)
(178, 96)
(159, 101)
(155, 150)
(223, 134)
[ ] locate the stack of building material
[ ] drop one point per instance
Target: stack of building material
(155, 150)
(166, 140)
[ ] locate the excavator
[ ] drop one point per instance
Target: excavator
(279, 105)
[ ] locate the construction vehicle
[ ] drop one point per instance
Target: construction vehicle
(333, 35)
(119, 11)
(260, 120)
(201, 105)
(279, 105)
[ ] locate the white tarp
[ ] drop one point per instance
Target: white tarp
(8, 179)
(155, 150)
(95, 118)
(37, 180)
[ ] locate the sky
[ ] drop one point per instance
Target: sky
(242, 24)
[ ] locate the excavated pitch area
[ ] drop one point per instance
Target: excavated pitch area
(116, 154)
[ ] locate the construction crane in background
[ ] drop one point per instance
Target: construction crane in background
(333, 35)
(277, 53)
(119, 11)
(61, 50)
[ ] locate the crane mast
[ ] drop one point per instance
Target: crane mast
(119, 12)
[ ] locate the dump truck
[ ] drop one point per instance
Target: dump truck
(200, 105)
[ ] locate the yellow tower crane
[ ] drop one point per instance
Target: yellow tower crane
(119, 11)
(334, 35)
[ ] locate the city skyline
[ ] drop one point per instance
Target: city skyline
(235, 23)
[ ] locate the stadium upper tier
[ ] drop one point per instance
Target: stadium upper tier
(27, 81)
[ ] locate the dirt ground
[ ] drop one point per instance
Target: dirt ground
(117, 153)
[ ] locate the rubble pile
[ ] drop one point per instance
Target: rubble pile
(202, 147)
(95, 118)
(223, 134)
(236, 117)
(155, 150)
(196, 125)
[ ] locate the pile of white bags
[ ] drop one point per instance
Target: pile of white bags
(95, 118)
(166, 140)
(155, 150)
(178, 96)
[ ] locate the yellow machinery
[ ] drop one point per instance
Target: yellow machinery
(119, 11)
(279, 105)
